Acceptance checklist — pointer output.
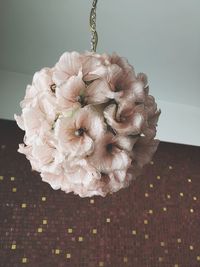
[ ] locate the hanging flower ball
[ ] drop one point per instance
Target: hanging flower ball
(89, 123)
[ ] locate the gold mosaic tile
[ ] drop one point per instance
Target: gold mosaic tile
(68, 256)
(12, 178)
(24, 260)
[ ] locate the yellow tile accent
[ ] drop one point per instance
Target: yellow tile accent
(145, 222)
(191, 210)
(176, 265)
(189, 180)
(181, 194)
(164, 209)
(160, 259)
(162, 244)
(40, 230)
(69, 230)
(150, 211)
(151, 185)
(134, 232)
(158, 177)
(24, 205)
(12, 178)
(170, 167)
(1, 178)
(92, 201)
(14, 189)
(44, 221)
(198, 258)
(57, 251)
(194, 198)
(13, 246)
(44, 198)
(24, 260)
(80, 238)
(108, 220)
(191, 247)
(151, 162)
(101, 263)
(146, 236)
(179, 240)
(168, 196)
(146, 195)
(68, 255)
(94, 231)
(125, 259)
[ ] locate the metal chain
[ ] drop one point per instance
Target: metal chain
(94, 35)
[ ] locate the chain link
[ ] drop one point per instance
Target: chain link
(94, 35)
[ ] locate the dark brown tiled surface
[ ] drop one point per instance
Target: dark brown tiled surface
(155, 222)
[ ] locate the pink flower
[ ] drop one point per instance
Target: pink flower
(43, 157)
(69, 64)
(135, 93)
(55, 180)
(127, 77)
(74, 93)
(99, 66)
(152, 116)
(42, 85)
(34, 123)
(128, 121)
(39, 101)
(113, 181)
(76, 134)
(112, 154)
(81, 178)
(144, 150)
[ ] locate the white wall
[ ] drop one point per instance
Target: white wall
(12, 90)
(179, 123)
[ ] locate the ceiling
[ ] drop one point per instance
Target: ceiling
(159, 37)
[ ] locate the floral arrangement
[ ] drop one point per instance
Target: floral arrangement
(89, 123)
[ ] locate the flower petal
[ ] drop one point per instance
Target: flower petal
(90, 119)
(69, 91)
(19, 121)
(132, 126)
(98, 92)
(144, 150)
(55, 181)
(68, 65)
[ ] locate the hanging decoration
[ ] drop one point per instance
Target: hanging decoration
(89, 122)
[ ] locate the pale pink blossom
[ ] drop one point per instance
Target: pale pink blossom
(135, 93)
(76, 134)
(74, 93)
(127, 77)
(112, 153)
(152, 115)
(55, 180)
(42, 85)
(128, 121)
(43, 157)
(101, 67)
(69, 64)
(35, 123)
(144, 150)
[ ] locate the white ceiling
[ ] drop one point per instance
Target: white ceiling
(159, 37)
